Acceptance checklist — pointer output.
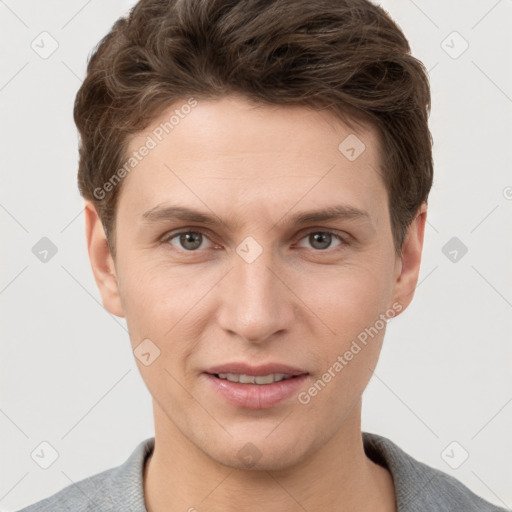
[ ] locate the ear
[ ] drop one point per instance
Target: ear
(408, 264)
(102, 263)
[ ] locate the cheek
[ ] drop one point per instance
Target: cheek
(159, 303)
(349, 306)
(349, 299)
(160, 300)
(350, 310)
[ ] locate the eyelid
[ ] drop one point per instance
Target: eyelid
(342, 235)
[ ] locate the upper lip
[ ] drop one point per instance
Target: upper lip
(246, 369)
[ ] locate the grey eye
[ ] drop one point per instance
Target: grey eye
(188, 240)
(321, 240)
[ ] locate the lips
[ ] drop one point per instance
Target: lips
(256, 396)
(248, 395)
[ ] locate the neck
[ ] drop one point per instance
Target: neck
(339, 476)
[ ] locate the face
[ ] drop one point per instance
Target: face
(247, 237)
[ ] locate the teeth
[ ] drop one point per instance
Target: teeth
(251, 379)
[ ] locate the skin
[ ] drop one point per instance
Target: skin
(298, 304)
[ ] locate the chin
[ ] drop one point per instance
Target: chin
(261, 454)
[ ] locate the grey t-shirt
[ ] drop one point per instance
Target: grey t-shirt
(418, 487)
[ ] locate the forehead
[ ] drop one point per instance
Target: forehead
(248, 122)
(237, 152)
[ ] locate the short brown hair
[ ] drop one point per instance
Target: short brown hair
(347, 56)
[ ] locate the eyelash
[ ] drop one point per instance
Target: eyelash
(343, 240)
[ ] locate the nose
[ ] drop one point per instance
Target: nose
(255, 301)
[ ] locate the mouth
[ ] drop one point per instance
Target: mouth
(242, 378)
(253, 387)
(237, 370)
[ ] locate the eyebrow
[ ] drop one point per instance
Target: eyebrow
(337, 212)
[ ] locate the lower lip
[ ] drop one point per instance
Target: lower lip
(256, 396)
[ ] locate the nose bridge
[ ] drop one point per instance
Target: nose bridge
(255, 304)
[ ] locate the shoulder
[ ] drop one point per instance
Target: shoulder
(421, 488)
(118, 488)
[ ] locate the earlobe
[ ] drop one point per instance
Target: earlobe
(102, 263)
(409, 263)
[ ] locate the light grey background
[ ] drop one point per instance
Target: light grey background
(68, 374)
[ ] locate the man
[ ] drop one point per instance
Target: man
(256, 176)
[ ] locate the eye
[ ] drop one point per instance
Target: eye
(187, 240)
(192, 241)
(322, 240)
